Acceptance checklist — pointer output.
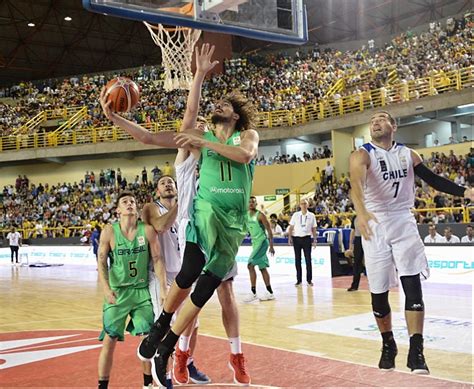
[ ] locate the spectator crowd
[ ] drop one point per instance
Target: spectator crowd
(273, 81)
(74, 209)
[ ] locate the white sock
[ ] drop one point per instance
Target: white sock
(184, 342)
(235, 345)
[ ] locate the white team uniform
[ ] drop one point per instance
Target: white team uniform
(389, 193)
(187, 189)
(171, 254)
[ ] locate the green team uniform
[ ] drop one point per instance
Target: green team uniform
(219, 214)
(260, 242)
(128, 278)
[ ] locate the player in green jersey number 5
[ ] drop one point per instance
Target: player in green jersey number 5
(129, 245)
(218, 219)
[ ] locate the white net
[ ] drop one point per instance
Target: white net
(177, 46)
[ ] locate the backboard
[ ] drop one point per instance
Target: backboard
(281, 21)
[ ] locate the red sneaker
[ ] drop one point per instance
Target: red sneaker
(180, 367)
(237, 365)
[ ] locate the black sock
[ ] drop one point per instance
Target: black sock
(167, 345)
(254, 289)
(416, 340)
(388, 337)
(269, 288)
(103, 384)
(147, 380)
(165, 318)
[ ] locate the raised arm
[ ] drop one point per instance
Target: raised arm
(358, 164)
(244, 153)
(203, 66)
(160, 223)
(162, 138)
(104, 249)
(439, 183)
(263, 219)
(158, 261)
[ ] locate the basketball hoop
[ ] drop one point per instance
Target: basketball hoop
(177, 47)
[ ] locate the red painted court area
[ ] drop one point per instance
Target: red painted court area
(71, 361)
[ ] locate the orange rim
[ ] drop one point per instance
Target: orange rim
(187, 9)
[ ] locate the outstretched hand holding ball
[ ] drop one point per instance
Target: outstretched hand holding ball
(119, 95)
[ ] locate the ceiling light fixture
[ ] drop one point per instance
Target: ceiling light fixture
(67, 18)
(31, 24)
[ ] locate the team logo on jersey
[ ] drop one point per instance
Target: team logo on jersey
(236, 141)
(404, 162)
(383, 165)
(141, 240)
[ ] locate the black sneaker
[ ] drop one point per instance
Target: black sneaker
(159, 365)
(416, 361)
(197, 376)
(387, 359)
(352, 289)
(147, 348)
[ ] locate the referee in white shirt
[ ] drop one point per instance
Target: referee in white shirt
(14, 239)
(302, 226)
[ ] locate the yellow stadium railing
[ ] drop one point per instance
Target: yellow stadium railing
(292, 198)
(61, 113)
(31, 124)
(329, 107)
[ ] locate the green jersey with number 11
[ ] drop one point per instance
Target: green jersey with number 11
(223, 183)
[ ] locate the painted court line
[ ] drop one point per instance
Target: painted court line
(55, 344)
(323, 356)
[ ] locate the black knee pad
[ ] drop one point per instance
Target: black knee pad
(193, 263)
(206, 284)
(380, 305)
(413, 294)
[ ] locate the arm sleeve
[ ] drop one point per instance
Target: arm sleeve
(292, 220)
(437, 182)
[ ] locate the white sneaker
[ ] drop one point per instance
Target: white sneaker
(267, 296)
(250, 298)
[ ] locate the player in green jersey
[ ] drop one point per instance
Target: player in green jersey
(129, 245)
(257, 224)
(218, 217)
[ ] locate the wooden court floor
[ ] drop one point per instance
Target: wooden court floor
(325, 324)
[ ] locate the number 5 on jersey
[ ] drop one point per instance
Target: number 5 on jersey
(132, 268)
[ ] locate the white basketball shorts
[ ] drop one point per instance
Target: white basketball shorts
(395, 247)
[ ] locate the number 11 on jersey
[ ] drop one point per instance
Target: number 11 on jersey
(226, 166)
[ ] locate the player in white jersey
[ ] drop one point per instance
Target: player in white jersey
(383, 185)
(169, 241)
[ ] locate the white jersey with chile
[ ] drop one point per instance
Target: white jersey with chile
(170, 244)
(186, 181)
(390, 181)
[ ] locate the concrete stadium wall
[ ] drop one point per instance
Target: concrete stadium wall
(53, 173)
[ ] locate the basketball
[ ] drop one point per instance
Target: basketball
(124, 94)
